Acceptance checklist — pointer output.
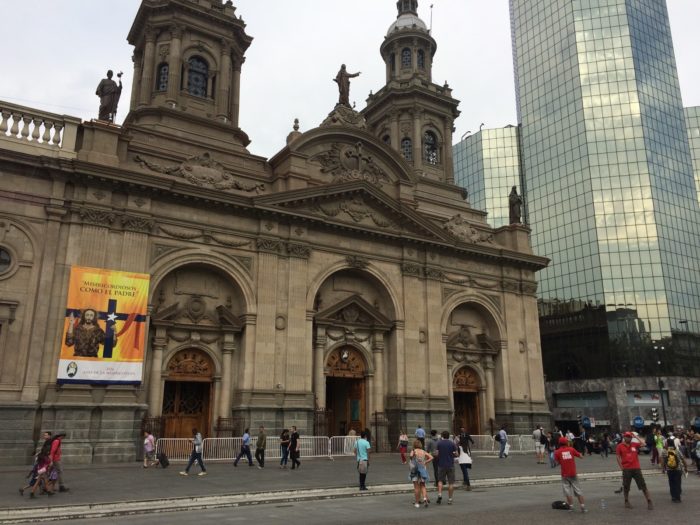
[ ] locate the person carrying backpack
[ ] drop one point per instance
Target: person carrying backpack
(674, 466)
(540, 439)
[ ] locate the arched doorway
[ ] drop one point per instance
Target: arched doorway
(465, 388)
(346, 391)
(187, 394)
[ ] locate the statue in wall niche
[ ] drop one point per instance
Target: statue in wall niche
(515, 203)
(463, 337)
(343, 81)
(109, 92)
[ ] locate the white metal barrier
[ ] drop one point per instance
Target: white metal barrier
(177, 449)
(314, 446)
(342, 445)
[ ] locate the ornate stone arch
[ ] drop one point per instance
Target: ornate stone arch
(194, 50)
(323, 275)
(196, 347)
(231, 268)
(470, 297)
(463, 371)
(368, 363)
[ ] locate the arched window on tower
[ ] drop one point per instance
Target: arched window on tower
(162, 77)
(407, 149)
(197, 76)
(392, 59)
(405, 57)
(430, 148)
(421, 59)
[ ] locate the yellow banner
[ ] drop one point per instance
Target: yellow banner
(104, 328)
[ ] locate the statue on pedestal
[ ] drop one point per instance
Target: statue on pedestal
(343, 81)
(515, 203)
(109, 93)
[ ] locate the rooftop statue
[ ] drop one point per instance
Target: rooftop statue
(515, 203)
(343, 81)
(109, 93)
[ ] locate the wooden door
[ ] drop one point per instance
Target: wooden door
(185, 406)
(466, 412)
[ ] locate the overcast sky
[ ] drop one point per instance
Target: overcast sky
(56, 52)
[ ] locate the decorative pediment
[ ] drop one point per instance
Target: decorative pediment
(349, 162)
(202, 170)
(463, 230)
(353, 311)
(195, 312)
(357, 205)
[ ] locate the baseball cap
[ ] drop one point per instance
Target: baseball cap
(628, 435)
(563, 441)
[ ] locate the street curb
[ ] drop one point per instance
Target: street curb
(127, 508)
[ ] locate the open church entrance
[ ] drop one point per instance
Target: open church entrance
(346, 396)
(187, 394)
(465, 387)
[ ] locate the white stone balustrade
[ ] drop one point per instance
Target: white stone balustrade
(26, 129)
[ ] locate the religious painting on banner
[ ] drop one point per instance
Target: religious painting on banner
(104, 328)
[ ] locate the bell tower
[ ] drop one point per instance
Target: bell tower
(411, 113)
(188, 56)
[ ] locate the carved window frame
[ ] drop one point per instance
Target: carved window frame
(406, 58)
(198, 71)
(407, 149)
(431, 148)
(162, 73)
(420, 60)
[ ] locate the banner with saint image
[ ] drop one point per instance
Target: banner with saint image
(104, 329)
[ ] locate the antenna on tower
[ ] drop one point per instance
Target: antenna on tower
(431, 19)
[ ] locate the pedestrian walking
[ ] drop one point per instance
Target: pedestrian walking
(431, 448)
(420, 435)
(466, 440)
(55, 457)
(196, 455)
(260, 445)
(627, 454)
(502, 438)
(465, 463)
(552, 447)
(446, 452)
(418, 459)
(540, 439)
(294, 448)
(245, 450)
(565, 455)
(284, 448)
(42, 480)
(674, 466)
(149, 450)
(403, 445)
(362, 448)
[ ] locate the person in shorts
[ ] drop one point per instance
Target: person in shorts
(446, 452)
(565, 456)
(628, 458)
(149, 450)
(540, 440)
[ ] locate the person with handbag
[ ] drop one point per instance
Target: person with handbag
(418, 459)
(362, 448)
(403, 445)
(465, 463)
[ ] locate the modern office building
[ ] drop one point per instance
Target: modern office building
(692, 120)
(612, 201)
(487, 165)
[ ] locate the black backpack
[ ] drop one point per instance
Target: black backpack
(560, 505)
(543, 438)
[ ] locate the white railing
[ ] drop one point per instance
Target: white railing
(227, 448)
(28, 127)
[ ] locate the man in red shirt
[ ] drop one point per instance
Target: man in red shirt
(55, 456)
(565, 455)
(628, 459)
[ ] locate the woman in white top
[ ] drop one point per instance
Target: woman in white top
(465, 463)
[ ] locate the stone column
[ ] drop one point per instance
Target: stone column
(378, 355)
(137, 59)
(218, 401)
(489, 367)
(450, 390)
(147, 67)
(226, 380)
(483, 420)
(447, 153)
(236, 90)
(223, 92)
(319, 367)
(395, 136)
(155, 384)
(174, 62)
(417, 141)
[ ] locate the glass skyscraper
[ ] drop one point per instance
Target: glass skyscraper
(611, 198)
(487, 165)
(692, 120)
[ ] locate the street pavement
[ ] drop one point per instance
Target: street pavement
(112, 490)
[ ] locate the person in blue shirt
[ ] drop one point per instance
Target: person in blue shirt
(420, 435)
(446, 452)
(245, 450)
(362, 448)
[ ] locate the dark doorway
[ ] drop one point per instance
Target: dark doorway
(345, 399)
(466, 412)
(185, 406)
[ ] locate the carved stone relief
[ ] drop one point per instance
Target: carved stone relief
(461, 229)
(349, 162)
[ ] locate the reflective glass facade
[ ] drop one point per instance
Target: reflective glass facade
(488, 166)
(692, 121)
(611, 194)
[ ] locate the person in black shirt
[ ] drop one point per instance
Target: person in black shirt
(294, 448)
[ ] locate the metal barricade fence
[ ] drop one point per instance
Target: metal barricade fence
(313, 446)
(221, 449)
(177, 449)
(483, 443)
(342, 445)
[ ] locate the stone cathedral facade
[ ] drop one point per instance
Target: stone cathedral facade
(343, 283)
